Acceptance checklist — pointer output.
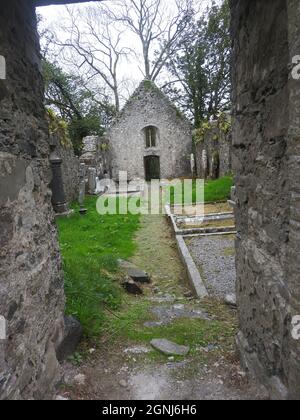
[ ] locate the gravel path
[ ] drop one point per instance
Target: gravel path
(214, 256)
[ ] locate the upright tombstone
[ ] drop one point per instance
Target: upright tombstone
(204, 164)
(81, 196)
(57, 186)
(92, 182)
(81, 184)
(193, 165)
(215, 166)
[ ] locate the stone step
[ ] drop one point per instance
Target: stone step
(169, 348)
(134, 272)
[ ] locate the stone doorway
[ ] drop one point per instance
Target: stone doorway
(152, 167)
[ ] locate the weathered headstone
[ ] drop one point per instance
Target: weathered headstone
(92, 181)
(215, 166)
(204, 164)
(193, 165)
(81, 184)
(81, 197)
(57, 186)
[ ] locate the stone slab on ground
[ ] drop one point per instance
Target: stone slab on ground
(167, 314)
(169, 348)
(215, 259)
(134, 272)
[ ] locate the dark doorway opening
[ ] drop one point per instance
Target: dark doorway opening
(152, 167)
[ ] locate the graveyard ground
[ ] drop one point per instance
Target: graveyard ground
(118, 362)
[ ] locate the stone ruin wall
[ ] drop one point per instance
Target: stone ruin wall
(70, 172)
(215, 142)
(149, 107)
(31, 281)
(266, 162)
(96, 154)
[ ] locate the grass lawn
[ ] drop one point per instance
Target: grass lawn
(129, 326)
(215, 191)
(218, 190)
(90, 247)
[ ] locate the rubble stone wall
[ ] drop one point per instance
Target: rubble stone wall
(266, 162)
(31, 281)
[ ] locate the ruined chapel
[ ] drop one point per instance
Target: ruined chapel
(266, 163)
(150, 139)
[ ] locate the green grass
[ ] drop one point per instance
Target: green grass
(218, 190)
(128, 325)
(90, 247)
(214, 191)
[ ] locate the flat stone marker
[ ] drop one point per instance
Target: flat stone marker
(134, 272)
(169, 348)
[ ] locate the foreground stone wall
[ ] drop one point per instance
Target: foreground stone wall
(31, 282)
(213, 153)
(149, 107)
(266, 162)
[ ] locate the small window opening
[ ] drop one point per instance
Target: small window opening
(151, 136)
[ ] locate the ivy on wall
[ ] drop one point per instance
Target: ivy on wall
(222, 124)
(59, 128)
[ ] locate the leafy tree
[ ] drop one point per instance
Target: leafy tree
(68, 96)
(200, 70)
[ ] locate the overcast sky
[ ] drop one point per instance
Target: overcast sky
(54, 16)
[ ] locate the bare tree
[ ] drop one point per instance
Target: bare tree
(158, 30)
(94, 47)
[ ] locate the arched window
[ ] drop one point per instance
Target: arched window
(150, 136)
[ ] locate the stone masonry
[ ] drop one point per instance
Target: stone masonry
(213, 153)
(70, 171)
(148, 107)
(31, 281)
(96, 154)
(266, 161)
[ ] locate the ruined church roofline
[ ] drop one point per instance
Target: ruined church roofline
(147, 85)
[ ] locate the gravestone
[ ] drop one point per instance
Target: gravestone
(92, 182)
(193, 166)
(204, 164)
(81, 184)
(57, 186)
